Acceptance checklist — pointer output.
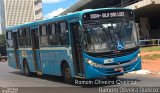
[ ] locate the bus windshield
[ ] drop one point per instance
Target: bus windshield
(109, 35)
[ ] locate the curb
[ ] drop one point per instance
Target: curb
(145, 72)
(155, 73)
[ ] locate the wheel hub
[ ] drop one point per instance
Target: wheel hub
(67, 73)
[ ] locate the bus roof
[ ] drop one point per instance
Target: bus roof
(60, 18)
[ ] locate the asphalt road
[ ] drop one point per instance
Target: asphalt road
(14, 80)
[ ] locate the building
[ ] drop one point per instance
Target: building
(147, 13)
(2, 17)
(148, 16)
(22, 11)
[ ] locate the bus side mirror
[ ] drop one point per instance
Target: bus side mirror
(85, 28)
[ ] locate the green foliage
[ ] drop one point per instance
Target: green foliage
(2, 39)
(151, 57)
(150, 49)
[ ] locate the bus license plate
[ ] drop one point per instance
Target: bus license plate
(120, 69)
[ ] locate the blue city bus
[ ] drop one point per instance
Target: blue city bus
(88, 44)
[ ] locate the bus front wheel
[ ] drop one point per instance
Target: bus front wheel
(112, 78)
(66, 71)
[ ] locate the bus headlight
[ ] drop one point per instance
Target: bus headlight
(136, 58)
(90, 62)
(139, 55)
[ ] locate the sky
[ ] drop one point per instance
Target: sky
(52, 8)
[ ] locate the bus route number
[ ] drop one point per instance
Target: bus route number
(95, 16)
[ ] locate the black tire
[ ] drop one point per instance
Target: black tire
(112, 78)
(26, 69)
(66, 72)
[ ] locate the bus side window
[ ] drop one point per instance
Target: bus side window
(27, 37)
(20, 36)
(43, 34)
(24, 37)
(53, 39)
(64, 33)
(9, 40)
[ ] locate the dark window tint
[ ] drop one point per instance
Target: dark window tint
(24, 37)
(53, 37)
(9, 35)
(51, 29)
(63, 35)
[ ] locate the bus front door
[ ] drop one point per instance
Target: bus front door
(36, 51)
(76, 48)
(15, 40)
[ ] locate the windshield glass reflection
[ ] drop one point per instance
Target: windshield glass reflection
(108, 36)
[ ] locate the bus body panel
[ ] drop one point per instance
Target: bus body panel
(11, 58)
(38, 59)
(93, 72)
(28, 55)
(52, 59)
(48, 61)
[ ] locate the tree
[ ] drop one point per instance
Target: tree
(2, 39)
(2, 46)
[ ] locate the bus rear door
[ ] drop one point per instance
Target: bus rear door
(36, 52)
(15, 41)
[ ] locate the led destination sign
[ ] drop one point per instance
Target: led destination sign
(109, 14)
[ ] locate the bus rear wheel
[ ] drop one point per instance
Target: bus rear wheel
(66, 71)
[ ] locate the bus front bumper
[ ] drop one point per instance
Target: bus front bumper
(95, 72)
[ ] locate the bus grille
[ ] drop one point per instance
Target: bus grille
(113, 54)
(111, 71)
(110, 64)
